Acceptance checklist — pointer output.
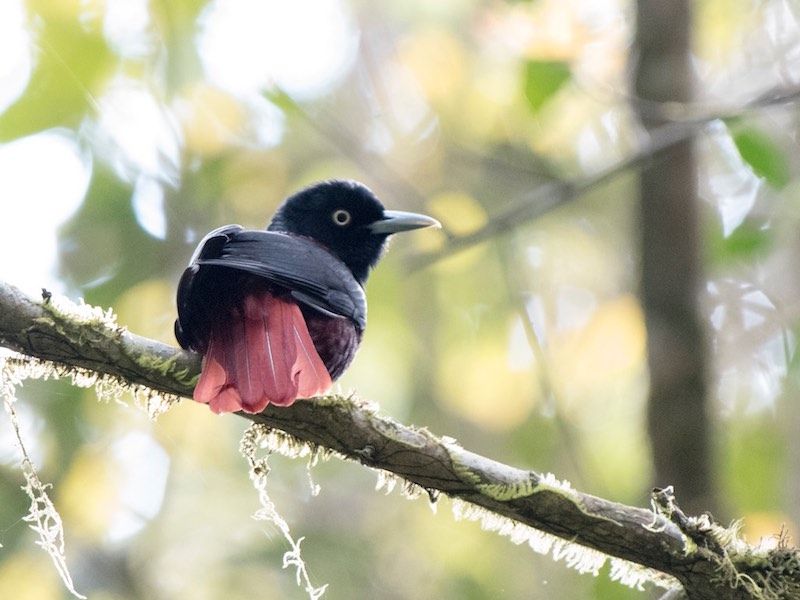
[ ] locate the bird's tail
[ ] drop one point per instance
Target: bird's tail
(260, 353)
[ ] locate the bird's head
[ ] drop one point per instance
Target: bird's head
(348, 219)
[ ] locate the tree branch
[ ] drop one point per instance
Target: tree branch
(707, 559)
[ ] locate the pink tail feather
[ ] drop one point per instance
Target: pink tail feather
(262, 353)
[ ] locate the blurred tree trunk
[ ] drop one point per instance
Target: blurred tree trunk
(671, 276)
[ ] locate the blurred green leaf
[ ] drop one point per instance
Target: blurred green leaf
(750, 445)
(72, 64)
(744, 242)
(96, 242)
(543, 79)
(762, 154)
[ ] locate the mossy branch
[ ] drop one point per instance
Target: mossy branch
(708, 560)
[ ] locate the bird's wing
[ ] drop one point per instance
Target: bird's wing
(191, 285)
(212, 244)
(312, 274)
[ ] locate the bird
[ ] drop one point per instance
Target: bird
(278, 314)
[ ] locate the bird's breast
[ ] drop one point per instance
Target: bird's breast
(336, 340)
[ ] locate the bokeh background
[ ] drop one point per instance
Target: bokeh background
(128, 129)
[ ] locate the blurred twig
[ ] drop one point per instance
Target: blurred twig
(555, 194)
(550, 196)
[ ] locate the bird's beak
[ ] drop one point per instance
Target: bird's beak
(395, 221)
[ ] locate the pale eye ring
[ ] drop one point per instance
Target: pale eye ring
(341, 217)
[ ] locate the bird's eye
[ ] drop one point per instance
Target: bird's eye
(341, 217)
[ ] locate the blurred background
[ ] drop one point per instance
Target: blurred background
(130, 128)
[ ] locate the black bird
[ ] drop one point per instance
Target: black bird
(279, 314)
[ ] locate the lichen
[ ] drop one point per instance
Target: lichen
(107, 388)
(42, 517)
(764, 572)
(504, 492)
(386, 481)
(259, 437)
(511, 484)
(350, 400)
(575, 556)
(167, 368)
(14, 369)
(62, 308)
(582, 559)
(635, 576)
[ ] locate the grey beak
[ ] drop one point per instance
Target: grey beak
(395, 221)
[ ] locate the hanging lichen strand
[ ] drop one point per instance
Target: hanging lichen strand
(42, 517)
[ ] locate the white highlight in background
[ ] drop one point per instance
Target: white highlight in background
(43, 180)
(143, 467)
(15, 52)
(303, 46)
